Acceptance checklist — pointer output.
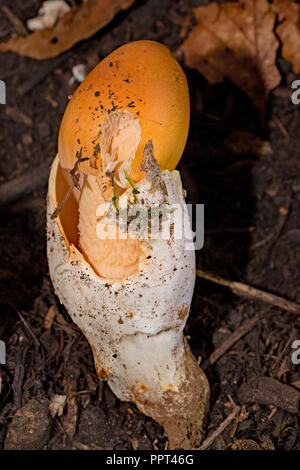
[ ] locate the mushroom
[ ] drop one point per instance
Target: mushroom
(121, 137)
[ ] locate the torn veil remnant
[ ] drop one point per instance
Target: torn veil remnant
(120, 136)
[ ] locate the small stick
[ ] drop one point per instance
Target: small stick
(211, 439)
(245, 290)
(25, 184)
(272, 237)
(15, 21)
(233, 338)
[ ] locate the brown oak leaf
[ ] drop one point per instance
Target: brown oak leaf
(288, 30)
(236, 40)
(79, 23)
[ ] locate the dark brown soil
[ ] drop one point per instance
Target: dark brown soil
(250, 197)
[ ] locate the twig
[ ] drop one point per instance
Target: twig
(75, 394)
(15, 21)
(269, 391)
(281, 127)
(30, 181)
(42, 73)
(272, 237)
(233, 338)
(33, 202)
(17, 116)
(245, 290)
(25, 323)
(211, 439)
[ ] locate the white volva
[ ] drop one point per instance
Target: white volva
(135, 326)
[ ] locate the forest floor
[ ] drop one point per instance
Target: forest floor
(248, 177)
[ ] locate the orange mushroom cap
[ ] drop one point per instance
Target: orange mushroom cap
(143, 78)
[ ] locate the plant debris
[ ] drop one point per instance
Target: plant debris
(268, 391)
(56, 406)
(242, 196)
(79, 23)
(151, 168)
(288, 30)
(236, 40)
(21, 434)
(48, 14)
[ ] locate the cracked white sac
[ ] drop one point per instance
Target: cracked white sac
(135, 325)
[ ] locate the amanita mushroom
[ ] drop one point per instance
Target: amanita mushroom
(130, 295)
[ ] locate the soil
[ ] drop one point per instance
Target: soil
(252, 210)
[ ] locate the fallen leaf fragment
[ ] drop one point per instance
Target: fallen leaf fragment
(56, 406)
(78, 24)
(288, 30)
(29, 428)
(236, 40)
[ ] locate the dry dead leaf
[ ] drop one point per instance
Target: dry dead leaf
(236, 41)
(288, 30)
(78, 24)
